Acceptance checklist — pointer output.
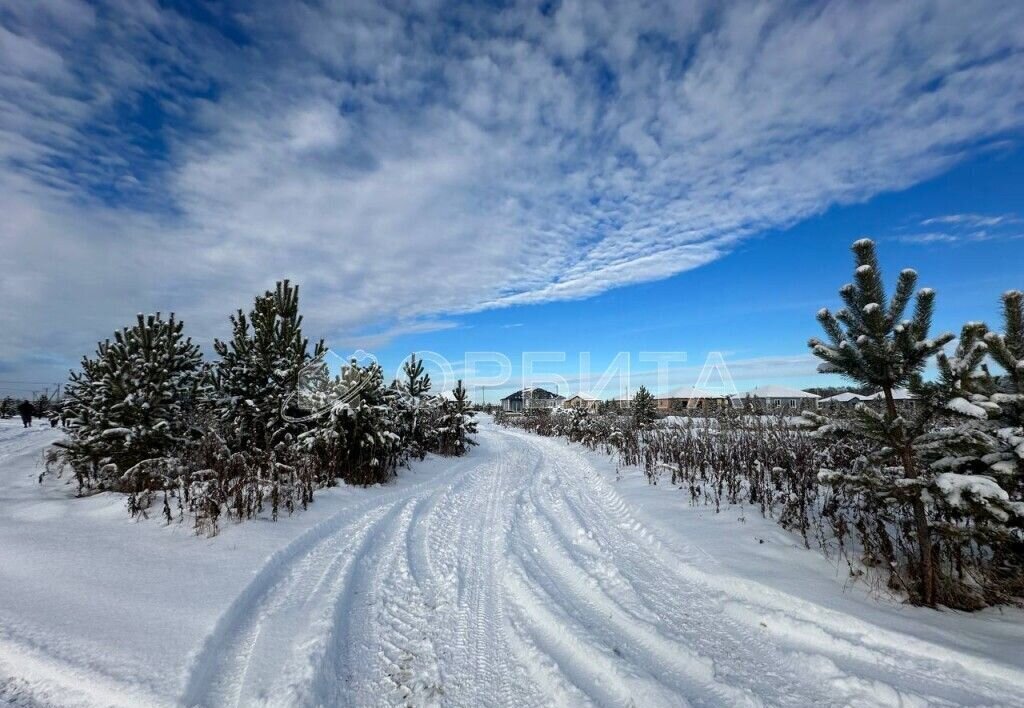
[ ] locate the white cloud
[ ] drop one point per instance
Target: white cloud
(965, 228)
(404, 167)
(971, 219)
(317, 127)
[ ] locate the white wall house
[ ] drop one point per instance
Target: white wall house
(774, 398)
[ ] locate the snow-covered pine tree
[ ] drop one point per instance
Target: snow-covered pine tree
(643, 408)
(1007, 349)
(359, 439)
(455, 423)
(258, 373)
(132, 403)
(416, 409)
(974, 448)
(872, 343)
(578, 424)
(8, 407)
(1007, 462)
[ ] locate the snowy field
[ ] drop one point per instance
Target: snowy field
(522, 574)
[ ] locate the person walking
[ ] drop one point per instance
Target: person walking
(26, 410)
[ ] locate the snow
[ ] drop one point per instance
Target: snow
(959, 489)
(965, 407)
(954, 486)
(845, 397)
(529, 572)
(898, 394)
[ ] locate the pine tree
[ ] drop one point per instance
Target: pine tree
(42, 405)
(258, 374)
(1008, 351)
(975, 448)
(359, 439)
(8, 407)
(455, 423)
(132, 402)
(1006, 463)
(644, 409)
(417, 408)
(578, 424)
(871, 343)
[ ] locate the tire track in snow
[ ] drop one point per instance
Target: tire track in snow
(803, 651)
(478, 668)
(853, 673)
(303, 579)
(381, 631)
(288, 596)
(603, 613)
(687, 616)
(348, 613)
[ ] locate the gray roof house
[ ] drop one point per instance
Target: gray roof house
(534, 398)
(847, 399)
(903, 399)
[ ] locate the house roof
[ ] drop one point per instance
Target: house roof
(845, 397)
(898, 394)
(582, 397)
(776, 392)
(535, 394)
(688, 392)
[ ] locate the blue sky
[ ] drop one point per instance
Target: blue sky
(562, 176)
(757, 305)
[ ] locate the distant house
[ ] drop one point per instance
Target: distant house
(903, 399)
(534, 398)
(843, 400)
(582, 400)
(773, 398)
(689, 398)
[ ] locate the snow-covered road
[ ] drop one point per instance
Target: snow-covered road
(520, 576)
